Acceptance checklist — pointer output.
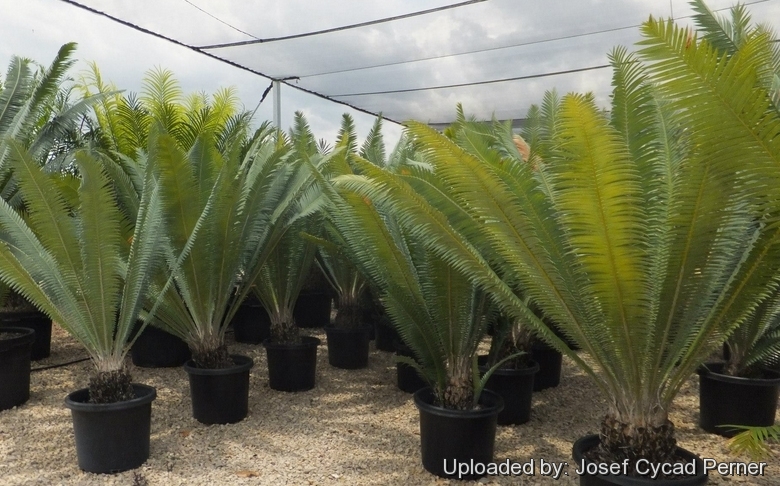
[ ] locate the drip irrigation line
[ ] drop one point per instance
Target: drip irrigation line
(285, 80)
(341, 28)
(59, 365)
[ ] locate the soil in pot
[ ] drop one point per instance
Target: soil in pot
(348, 348)
(515, 386)
(251, 323)
(220, 396)
(15, 347)
(112, 437)
(449, 438)
(292, 367)
(408, 379)
(732, 400)
(550, 363)
(156, 348)
(313, 309)
(38, 322)
(688, 460)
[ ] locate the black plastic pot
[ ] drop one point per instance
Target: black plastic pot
(584, 444)
(15, 366)
(220, 396)
(292, 367)
(550, 360)
(386, 335)
(112, 437)
(408, 379)
(450, 437)
(156, 348)
(38, 322)
(348, 348)
(515, 387)
(251, 324)
(312, 310)
(732, 400)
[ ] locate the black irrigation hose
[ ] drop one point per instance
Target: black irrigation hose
(59, 365)
(67, 363)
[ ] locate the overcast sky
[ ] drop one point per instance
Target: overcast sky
(516, 37)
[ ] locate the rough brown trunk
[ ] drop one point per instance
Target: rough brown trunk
(349, 315)
(283, 328)
(459, 393)
(621, 441)
(111, 386)
(211, 353)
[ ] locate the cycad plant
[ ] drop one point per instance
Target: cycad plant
(436, 310)
(635, 231)
(67, 255)
(240, 208)
(756, 342)
(281, 278)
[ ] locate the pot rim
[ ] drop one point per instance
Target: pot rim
(27, 337)
(423, 400)
(306, 342)
(528, 370)
(592, 440)
(147, 395)
(330, 327)
(711, 370)
(242, 363)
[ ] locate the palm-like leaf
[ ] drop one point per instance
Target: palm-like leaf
(68, 257)
(646, 241)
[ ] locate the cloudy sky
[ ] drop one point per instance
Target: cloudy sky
(493, 39)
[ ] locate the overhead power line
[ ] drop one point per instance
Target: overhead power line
(220, 20)
(497, 48)
(284, 81)
(343, 27)
(474, 83)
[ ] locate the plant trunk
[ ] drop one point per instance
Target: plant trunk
(349, 314)
(111, 386)
(621, 441)
(459, 392)
(210, 353)
(283, 328)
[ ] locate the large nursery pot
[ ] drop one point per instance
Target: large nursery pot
(408, 379)
(112, 437)
(550, 361)
(348, 348)
(452, 437)
(515, 386)
(251, 324)
(292, 367)
(312, 309)
(386, 335)
(38, 322)
(733, 400)
(220, 396)
(156, 348)
(15, 346)
(585, 444)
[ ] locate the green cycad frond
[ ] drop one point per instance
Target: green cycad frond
(752, 442)
(373, 148)
(87, 290)
(347, 135)
(723, 34)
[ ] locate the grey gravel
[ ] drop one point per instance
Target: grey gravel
(354, 428)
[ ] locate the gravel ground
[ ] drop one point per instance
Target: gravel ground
(354, 428)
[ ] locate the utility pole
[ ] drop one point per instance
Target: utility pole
(277, 104)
